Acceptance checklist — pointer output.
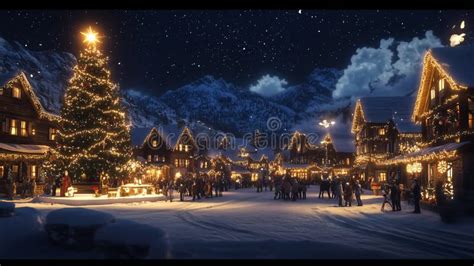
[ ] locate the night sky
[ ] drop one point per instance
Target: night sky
(158, 50)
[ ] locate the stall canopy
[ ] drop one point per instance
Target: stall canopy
(24, 148)
(431, 153)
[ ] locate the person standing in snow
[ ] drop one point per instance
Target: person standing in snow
(333, 186)
(65, 184)
(416, 195)
(277, 190)
(348, 194)
(395, 196)
(339, 191)
(304, 188)
(294, 190)
(170, 190)
(385, 193)
(358, 192)
(194, 190)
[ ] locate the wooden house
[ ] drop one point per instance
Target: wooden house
(445, 110)
(27, 132)
(377, 124)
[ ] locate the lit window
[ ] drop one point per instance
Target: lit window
(433, 93)
(33, 171)
(382, 177)
(14, 127)
(186, 163)
(33, 131)
(23, 130)
(52, 133)
(180, 147)
(348, 161)
(15, 169)
(381, 131)
(186, 148)
(441, 84)
(154, 143)
(176, 162)
(471, 120)
(2, 171)
(156, 157)
(148, 158)
(16, 93)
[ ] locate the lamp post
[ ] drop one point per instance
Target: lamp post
(326, 125)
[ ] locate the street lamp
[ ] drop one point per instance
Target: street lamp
(326, 125)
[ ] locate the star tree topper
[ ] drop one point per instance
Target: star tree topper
(91, 37)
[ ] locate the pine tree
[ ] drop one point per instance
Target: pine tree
(94, 138)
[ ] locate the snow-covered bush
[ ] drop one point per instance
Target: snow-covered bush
(75, 227)
(19, 229)
(130, 240)
(7, 209)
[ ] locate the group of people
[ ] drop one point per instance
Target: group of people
(199, 187)
(341, 189)
(289, 188)
(392, 195)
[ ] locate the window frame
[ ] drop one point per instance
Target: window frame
(13, 127)
(23, 130)
(52, 133)
(16, 93)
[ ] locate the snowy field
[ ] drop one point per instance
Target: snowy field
(244, 224)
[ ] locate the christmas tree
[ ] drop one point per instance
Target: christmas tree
(94, 139)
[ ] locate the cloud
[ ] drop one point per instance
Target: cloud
(379, 71)
(269, 85)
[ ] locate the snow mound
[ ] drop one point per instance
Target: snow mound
(15, 231)
(128, 239)
(7, 209)
(75, 227)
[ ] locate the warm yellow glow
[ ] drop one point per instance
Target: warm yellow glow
(442, 167)
(91, 36)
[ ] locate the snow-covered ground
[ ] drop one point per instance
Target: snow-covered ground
(245, 224)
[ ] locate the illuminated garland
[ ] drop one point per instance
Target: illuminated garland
(442, 155)
(43, 114)
(374, 158)
(20, 157)
(440, 107)
(188, 132)
(358, 116)
(429, 63)
(446, 137)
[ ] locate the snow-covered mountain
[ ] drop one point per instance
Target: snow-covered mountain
(209, 101)
(47, 71)
(225, 106)
(310, 96)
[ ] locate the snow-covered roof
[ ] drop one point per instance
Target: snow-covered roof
(239, 169)
(458, 62)
(267, 152)
(6, 77)
(24, 148)
(431, 150)
(398, 109)
(138, 135)
(382, 109)
(343, 143)
(170, 133)
(287, 165)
